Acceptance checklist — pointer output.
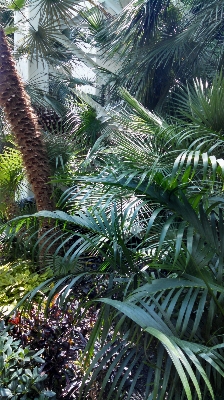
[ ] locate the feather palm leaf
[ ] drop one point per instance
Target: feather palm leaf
(172, 311)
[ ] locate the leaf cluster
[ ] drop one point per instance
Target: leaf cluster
(18, 278)
(20, 377)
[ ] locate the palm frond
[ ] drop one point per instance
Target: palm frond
(43, 43)
(94, 17)
(136, 24)
(58, 11)
(176, 348)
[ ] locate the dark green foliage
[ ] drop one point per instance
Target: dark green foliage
(150, 214)
(148, 206)
(20, 374)
(85, 126)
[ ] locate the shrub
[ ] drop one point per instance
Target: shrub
(18, 278)
(20, 376)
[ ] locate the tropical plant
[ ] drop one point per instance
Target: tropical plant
(17, 109)
(50, 107)
(20, 377)
(11, 176)
(165, 40)
(170, 42)
(85, 126)
(17, 278)
(152, 211)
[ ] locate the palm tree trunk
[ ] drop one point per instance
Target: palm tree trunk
(18, 112)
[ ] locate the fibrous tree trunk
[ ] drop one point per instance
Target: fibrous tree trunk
(19, 113)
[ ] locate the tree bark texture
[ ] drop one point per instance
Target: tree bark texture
(19, 113)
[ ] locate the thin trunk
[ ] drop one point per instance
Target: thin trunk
(19, 113)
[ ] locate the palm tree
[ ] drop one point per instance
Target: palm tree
(169, 42)
(152, 209)
(153, 212)
(50, 109)
(18, 112)
(165, 40)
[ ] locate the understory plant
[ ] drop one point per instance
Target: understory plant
(16, 279)
(151, 214)
(21, 376)
(11, 176)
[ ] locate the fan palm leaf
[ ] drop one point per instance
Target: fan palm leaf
(169, 42)
(137, 24)
(60, 11)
